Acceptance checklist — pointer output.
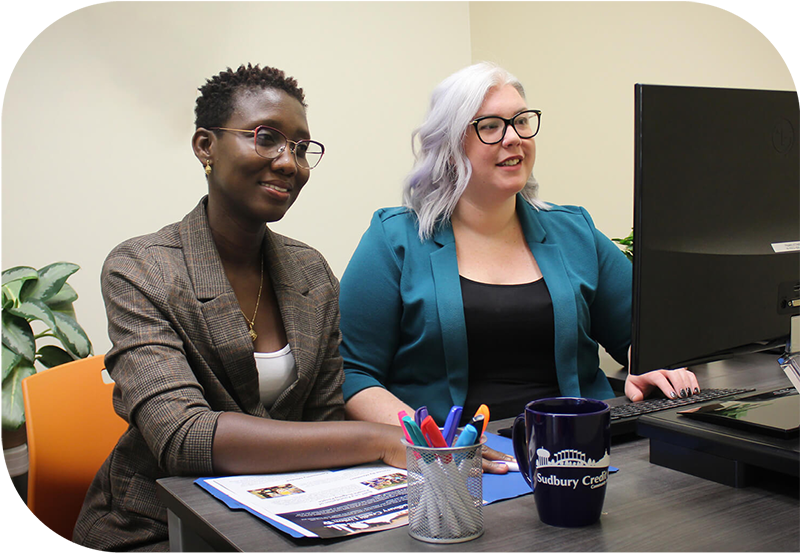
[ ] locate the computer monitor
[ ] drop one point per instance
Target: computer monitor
(716, 238)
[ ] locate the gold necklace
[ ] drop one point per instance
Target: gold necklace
(252, 323)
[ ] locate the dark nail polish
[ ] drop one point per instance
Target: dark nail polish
(673, 395)
(697, 390)
(683, 392)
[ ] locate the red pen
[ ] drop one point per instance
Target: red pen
(432, 433)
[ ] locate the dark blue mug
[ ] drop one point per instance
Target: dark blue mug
(562, 446)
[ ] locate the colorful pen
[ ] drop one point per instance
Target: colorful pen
(432, 433)
(451, 424)
(400, 416)
(477, 423)
(414, 431)
(420, 414)
(483, 410)
(467, 436)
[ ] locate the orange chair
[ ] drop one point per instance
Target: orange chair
(72, 427)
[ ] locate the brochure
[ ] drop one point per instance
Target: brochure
(320, 504)
(336, 503)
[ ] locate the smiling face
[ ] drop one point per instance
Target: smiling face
(499, 171)
(245, 186)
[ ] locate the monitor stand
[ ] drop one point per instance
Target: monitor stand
(790, 361)
(726, 455)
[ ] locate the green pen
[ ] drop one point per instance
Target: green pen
(414, 431)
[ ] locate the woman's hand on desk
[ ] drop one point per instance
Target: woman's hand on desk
(489, 458)
(673, 383)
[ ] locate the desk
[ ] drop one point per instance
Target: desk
(647, 508)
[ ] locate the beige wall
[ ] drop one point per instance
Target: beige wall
(98, 113)
(98, 117)
(579, 62)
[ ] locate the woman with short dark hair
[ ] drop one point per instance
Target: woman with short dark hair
(225, 334)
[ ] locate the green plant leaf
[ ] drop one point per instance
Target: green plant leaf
(19, 273)
(52, 356)
(72, 336)
(11, 292)
(33, 309)
(10, 360)
(8, 298)
(626, 245)
(67, 294)
(51, 280)
(13, 408)
(65, 308)
(18, 336)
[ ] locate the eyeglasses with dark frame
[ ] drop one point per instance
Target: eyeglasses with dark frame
(492, 128)
(270, 143)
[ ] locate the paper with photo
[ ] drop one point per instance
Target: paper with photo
(320, 504)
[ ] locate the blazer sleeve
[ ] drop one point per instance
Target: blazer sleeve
(156, 390)
(611, 308)
(371, 310)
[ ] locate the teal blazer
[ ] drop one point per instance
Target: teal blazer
(402, 317)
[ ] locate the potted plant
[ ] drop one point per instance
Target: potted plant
(45, 299)
(626, 245)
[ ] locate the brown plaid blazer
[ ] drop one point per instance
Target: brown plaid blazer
(181, 355)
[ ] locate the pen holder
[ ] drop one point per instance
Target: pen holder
(445, 493)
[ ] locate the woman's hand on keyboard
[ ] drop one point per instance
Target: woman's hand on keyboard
(673, 383)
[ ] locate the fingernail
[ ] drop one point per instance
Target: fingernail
(683, 392)
(673, 395)
(688, 392)
(697, 390)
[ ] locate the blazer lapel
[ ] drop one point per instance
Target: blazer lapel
(228, 340)
(565, 310)
(298, 314)
(447, 285)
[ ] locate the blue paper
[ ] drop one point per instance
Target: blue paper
(497, 487)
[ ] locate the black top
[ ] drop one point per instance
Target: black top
(511, 337)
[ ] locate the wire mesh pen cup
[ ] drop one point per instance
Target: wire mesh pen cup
(445, 493)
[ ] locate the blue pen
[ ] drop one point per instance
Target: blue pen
(420, 415)
(451, 425)
(467, 436)
(477, 423)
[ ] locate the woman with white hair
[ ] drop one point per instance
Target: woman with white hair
(477, 292)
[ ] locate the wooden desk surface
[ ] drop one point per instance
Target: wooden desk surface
(647, 508)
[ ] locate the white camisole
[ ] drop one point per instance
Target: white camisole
(276, 372)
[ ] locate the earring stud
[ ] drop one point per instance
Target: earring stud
(208, 167)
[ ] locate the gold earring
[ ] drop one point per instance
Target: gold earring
(208, 167)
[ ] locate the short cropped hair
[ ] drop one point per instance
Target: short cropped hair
(215, 104)
(441, 169)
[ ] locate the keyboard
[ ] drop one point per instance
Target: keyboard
(623, 416)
